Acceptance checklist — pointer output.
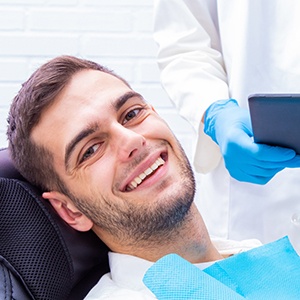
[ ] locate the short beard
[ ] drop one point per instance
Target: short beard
(132, 224)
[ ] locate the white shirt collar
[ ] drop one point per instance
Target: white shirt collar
(128, 271)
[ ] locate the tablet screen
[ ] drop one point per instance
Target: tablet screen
(276, 119)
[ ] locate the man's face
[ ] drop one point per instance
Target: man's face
(120, 162)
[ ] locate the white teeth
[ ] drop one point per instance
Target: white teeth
(148, 171)
(154, 166)
(134, 184)
(142, 176)
(138, 180)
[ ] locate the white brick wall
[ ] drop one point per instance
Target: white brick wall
(116, 33)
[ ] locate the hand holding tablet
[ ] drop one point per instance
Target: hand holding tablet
(256, 162)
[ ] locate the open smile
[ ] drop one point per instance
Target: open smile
(160, 161)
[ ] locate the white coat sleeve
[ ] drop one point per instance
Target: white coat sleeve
(191, 64)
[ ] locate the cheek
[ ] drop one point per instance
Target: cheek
(159, 127)
(165, 133)
(93, 181)
(101, 177)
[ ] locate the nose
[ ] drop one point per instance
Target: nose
(128, 143)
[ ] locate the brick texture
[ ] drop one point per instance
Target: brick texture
(116, 33)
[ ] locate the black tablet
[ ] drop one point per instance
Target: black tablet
(276, 119)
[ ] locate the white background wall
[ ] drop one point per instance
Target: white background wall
(116, 33)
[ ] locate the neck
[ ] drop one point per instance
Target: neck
(191, 241)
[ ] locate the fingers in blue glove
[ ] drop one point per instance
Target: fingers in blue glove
(230, 127)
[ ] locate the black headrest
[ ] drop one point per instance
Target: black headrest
(53, 260)
(7, 168)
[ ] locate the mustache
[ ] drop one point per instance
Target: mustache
(138, 159)
(147, 151)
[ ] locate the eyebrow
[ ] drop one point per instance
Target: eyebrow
(119, 102)
(93, 127)
(77, 139)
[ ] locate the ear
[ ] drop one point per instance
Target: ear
(68, 211)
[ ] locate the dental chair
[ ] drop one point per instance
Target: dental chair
(41, 257)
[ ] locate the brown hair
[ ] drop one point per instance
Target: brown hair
(34, 162)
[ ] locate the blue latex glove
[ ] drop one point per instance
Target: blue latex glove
(230, 127)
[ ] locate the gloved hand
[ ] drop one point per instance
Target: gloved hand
(230, 127)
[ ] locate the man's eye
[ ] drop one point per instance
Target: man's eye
(131, 114)
(89, 152)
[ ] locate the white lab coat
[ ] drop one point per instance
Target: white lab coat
(219, 49)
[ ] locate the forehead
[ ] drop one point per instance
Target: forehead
(87, 85)
(86, 89)
(89, 94)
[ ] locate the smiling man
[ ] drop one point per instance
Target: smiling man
(108, 162)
